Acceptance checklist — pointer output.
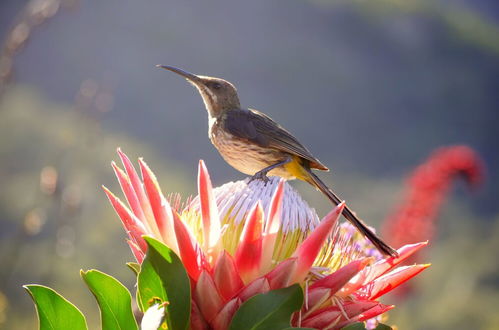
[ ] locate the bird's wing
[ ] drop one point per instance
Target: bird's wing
(259, 128)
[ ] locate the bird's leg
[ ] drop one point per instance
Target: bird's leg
(262, 174)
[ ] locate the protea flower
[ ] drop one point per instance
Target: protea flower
(246, 238)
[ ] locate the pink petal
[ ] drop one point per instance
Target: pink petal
(311, 246)
(389, 281)
(207, 296)
(129, 192)
(137, 186)
(272, 227)
(226, 276)
(323, 320)
(280, 276)
(191, 254)
(260, 285)
(222, 320)
(373, 312)
(379, 268)
(135, 229)
(382, 266)
(209, 212)
(327, 317)
(249, 251)
(197, 319)
(137, 252)
(314, 299)
(160, 207)
(339, 278)
(366, 315)
(323, 289)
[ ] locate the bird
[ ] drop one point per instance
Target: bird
(256, 145)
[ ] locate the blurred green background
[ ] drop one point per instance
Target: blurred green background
(372, 87)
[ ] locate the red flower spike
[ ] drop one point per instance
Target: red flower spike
(137, 185)
(311, 246)
(191, 254)
(129, 192)
(280, 276)
(389, 281)
(271, 228)
(209, 212)
(222, 320)
(226, 277)
(160, 206)
(207, 297)
(415, 218)
(132, 225)
(249, 251)
(260, 285)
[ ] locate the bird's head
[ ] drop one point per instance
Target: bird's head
(218, 94)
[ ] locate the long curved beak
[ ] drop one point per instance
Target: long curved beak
(187, 75)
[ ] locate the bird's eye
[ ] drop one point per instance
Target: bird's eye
(217, 85)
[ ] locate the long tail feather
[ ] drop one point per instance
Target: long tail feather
(350, 216)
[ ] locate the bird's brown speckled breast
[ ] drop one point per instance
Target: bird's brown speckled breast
(243, 155)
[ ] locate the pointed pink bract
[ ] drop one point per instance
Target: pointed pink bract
(260, 285)
(383, 266)
(223, 318)
(249, 251)
(209, 212)
(191, 254)
(226, 276)
(272, 227)
(137, 252)
(207, 296)
(160, 207)
(280, 276)
(132, 225)
(389, 281)
(137, 186)
(339, 278)
(311, 246)
(129, 192)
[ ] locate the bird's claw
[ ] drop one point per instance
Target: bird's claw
(260, 176)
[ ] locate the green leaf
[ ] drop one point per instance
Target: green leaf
(54, 311)
(135, 267)
(382, 326)
(271, 310)
(355, 326)
(115, 302)
(163, 278)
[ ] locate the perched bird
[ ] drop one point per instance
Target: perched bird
(254, 144)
